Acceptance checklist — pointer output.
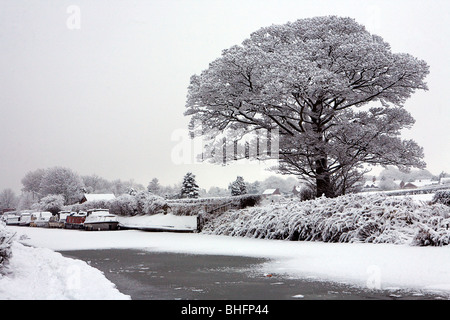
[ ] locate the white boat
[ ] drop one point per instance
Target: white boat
(26, 218)
(11, 218)
(100, 219)
(42, 219)
(58, 220)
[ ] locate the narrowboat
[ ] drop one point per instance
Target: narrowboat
(42, 219)
(26, 218)
(58, 220)
(75, 220)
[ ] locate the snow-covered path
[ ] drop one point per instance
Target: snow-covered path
(366, 265)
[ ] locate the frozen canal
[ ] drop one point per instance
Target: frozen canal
(176, 276)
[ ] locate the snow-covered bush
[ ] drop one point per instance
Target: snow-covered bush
(215, 205)
(148, 203)
(5, 246)
(142, 203)
(351, 218)
(53, 203)
(306, 193)
(124, 205)
(442, 196)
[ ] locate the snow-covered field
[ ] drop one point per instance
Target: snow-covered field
(160, 221)
(376, 266)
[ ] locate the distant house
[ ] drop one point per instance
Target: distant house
(97, 197)
(409, 185)
(444, 181)
(271, 192)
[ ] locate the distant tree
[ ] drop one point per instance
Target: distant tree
(313, 81)
(8, 199)
(32, 182)
(96, 184)
(274, 182)
(254, 188)
(171, 192)
(443, 174)
(62, 181)
(238, 187)
(154, 186)
(26, 201)
(119, 187)
(387, 184)
(189, 188)
(218, 192)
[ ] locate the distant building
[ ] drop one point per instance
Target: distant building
(444, 181)
(409, 185)
(97, 197)
(423, 182)
(271, 192)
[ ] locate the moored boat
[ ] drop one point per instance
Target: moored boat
(41, 219)
(100, 219)
(11, 218)
(59, 219)
(75, 220)
(26, 218)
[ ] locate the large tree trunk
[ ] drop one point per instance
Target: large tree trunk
(323, 180)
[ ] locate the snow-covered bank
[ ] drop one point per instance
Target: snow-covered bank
(374, 218)
(378, 265)
(167, 222)
(40, 273)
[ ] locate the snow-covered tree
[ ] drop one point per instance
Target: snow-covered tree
(154, 186)
(238, 187)
(63, 181)
(254, 187)
(334, 92)
(119, 187)
(189, 188)
(6, 238)
(96, 184)
(26, 201)
(8, 199)
(53, 203)
(32, 181)
(218, 192)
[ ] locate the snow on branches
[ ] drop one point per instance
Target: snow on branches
(309, 79)
(351, 218)
(5, 246)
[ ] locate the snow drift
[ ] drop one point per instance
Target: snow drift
(40, 273)
(373, 218)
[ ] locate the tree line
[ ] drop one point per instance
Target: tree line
(63, 186)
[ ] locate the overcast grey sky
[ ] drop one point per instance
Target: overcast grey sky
(107, 97)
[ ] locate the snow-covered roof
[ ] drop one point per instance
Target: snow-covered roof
(423, 182)
(98, 196)
(269, 191)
